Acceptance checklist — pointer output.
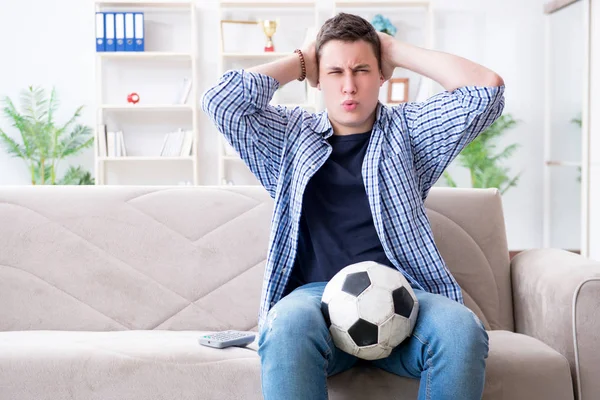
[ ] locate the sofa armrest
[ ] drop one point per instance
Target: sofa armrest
(556, 297)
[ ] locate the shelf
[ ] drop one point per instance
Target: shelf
(144, 55)
(265, 54)
(148, 3)
(231, 158)
(563, 164)
(262, 4)
(382, 3)
(147, 158)
(147, 107)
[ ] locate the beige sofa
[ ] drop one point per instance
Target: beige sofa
(105, 290)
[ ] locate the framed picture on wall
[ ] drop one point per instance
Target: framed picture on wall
(397, 90)
(232, 31)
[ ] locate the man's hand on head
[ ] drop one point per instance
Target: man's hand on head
(387, 53)
(310, 61)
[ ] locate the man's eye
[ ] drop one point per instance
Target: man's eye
(334, 72)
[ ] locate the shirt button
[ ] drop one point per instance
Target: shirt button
(283, 270)
(313, 166)
(272, 303)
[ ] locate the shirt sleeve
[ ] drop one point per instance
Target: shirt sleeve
(441, 127)
(239, 107)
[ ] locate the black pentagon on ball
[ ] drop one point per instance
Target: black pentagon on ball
(356, 283)
(403, 302)
(325, 310)
(364, 333)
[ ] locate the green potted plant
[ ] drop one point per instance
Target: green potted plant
(45, 143)
(484, 162)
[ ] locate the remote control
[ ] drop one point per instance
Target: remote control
(223, 339)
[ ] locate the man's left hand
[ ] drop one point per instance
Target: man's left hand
(387, 50)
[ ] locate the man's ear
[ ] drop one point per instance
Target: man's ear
(381, 79)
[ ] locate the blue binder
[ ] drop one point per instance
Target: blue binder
(109, 31)
(100, 31)
(139, 31)
(120, 31)
(129, 32)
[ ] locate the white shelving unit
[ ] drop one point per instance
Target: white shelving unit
(186, 112)
(385, 6)
(227, 158)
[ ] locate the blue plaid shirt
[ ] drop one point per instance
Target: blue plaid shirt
(410, 146)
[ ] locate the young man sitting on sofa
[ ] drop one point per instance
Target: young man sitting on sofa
(349, 186)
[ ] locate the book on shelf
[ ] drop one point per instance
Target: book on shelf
(122, 148)
(184, 91)
(114, 145)
(101, 138)
(178, 143)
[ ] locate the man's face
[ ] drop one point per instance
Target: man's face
(350, 80)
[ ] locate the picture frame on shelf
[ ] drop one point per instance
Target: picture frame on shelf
(397, 90)
(233, 30)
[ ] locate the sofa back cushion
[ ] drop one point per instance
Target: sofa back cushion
(191, 258)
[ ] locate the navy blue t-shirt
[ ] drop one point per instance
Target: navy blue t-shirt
(336, 225)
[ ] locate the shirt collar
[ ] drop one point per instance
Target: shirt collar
(322, 125)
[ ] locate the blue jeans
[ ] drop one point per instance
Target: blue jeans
(447, 350)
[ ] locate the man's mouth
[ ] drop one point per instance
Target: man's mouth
(349, 105)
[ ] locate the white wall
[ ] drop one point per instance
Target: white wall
(38, 47)
(505, 35)
(594, 154)
(565, 93)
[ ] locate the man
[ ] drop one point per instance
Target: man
(349, 186)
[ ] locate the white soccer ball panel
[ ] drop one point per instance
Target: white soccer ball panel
(343, 341)
(385, 332)
(358, 267)
(375, 305)
(343, 310)
(400, 330)
(333, 286)
(386, 277)
(373, 352)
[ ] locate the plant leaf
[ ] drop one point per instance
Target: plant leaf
(449, 181)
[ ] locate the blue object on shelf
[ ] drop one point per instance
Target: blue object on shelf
(129, 32)
(109, 31)
(383, 24)
(120, 31)
(139, 31)
(100, 42)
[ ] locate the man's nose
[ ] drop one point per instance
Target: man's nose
(349, 84)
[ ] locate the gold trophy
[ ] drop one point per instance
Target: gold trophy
(269, 27)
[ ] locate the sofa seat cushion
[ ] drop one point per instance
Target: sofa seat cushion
(519, 367)
(128, 365)
(150, 364)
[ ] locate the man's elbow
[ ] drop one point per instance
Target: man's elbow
(205, 100)
(495, 80)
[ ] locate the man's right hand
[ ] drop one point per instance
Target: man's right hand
(288, 69)
(310, 61)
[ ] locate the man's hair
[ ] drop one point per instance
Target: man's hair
(348, 28)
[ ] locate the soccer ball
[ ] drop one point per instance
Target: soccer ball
(369, 308)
